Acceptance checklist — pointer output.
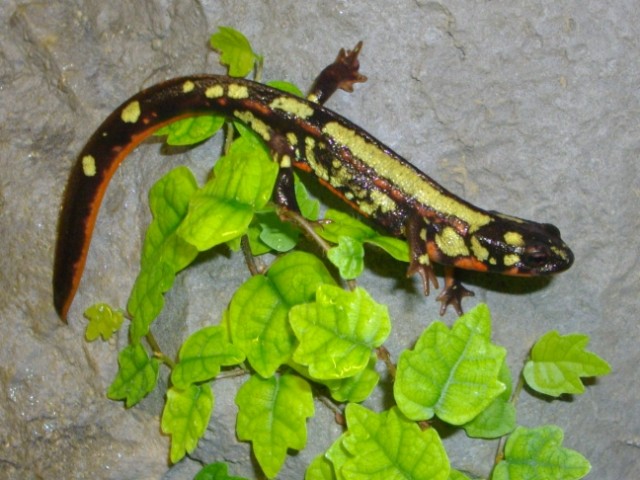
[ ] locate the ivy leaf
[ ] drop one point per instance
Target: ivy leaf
(338, 331)
(499, 418)
(348, 256)
(272, 415)
(224, 207)
(286, 87)
(309, 207)
(387, 445)
(451, 373)
(191, 130)
(103, 321)
(538, 453)
(215, 471)
(343, 225)
(258, 313)
(185, 417)
(557, 363)
(202, 355)
(136, 377)
(320, 468)
(235, 51)
(278, 235)
(163, 253)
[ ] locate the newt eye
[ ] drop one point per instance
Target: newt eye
(536, 255)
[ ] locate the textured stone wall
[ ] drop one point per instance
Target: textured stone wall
(527, 107)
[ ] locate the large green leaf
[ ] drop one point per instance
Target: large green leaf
(137, 375)
(451, 373)
(272, 415)
(202, 355)
(235, 51)
(338, 332)
(384, 446)
(532, 453)
(185, 417)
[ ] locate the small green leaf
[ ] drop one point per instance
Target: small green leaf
(338, 331)
(191, 130)
(348, 256)
(185, 417)
(103, 321)
(136, 377)
(235, 51)
(224, 207)
(309, 207)
(272, 415)
(320, 468)
(215, 471)
(286, 87)
(557, 363)
(538, 453)
(387, 445)
(343, 225)
(202, 355)
(451, 373)
(258, 313)
(278, 235)
(499, 418)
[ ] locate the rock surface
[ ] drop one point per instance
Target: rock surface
(527, 107)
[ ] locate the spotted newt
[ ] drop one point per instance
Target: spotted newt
(439, 226)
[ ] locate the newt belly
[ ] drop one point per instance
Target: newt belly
(439, 226)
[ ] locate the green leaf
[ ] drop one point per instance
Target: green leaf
(185, 417)
(103, 321)
(223, 208)
(451, 373)
(357, 388)
(320, 468)
(557, 363)
(382, 446)
(309, 207)
(499, 418)
(342, 225)
(278, 235)
(348, 256)
(538, 453)
(215, 471)
(286, 87)
(163, 253)
(202, 355)
(272, 415)
(191, 130)
(338, 331)
(258, 313)
(235, 51)
(136, 377)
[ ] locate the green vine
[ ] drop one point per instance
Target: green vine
(290, 326)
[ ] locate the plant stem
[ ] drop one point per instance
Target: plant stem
(157, 351)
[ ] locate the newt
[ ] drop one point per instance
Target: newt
(439, 226)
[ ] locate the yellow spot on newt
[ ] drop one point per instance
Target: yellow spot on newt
(511, 259)
(423, 259)
(404, 177)
(89, 165)
(514, 239)
(188, 86)
(256, 124)
(318, 168)
(285, 161)
(451, 243)
(384, 202)
(131, 113)
(292, 106)
(238, 92)
(292, 138)
(479, 250)
(215, 91)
